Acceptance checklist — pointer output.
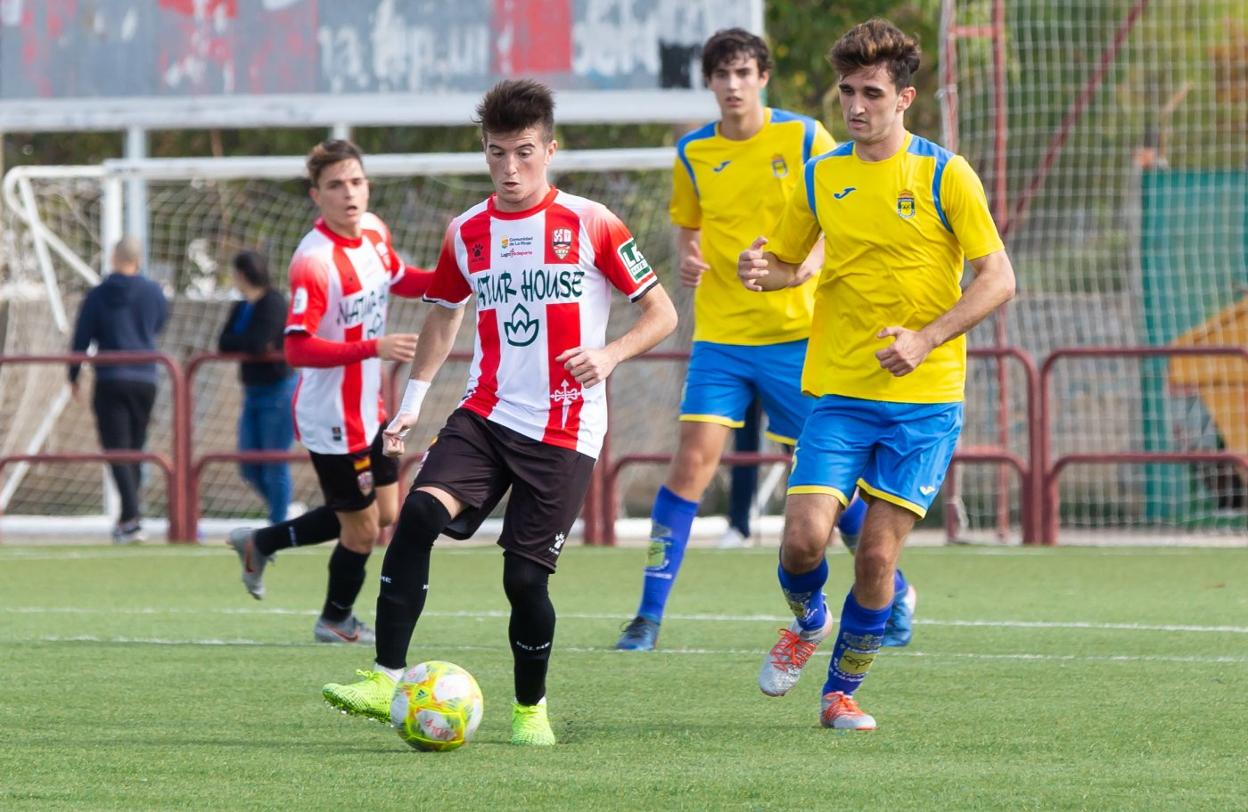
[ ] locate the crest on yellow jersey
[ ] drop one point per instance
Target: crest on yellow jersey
(905, 205)
(778, 166)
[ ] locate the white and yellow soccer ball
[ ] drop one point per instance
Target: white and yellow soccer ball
(437, 706)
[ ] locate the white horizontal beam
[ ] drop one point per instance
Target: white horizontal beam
(391, 165)
(355, 110)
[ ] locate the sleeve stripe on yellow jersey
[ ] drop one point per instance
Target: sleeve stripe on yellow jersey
(921, 146)
(707, 131)
(844, 149)
(808, 124)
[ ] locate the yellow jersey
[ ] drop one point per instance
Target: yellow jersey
(896, 233)
(733, 191)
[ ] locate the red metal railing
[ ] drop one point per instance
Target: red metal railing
(1031, 506)
(1052, 470)
(174, 466)
(1039, 473)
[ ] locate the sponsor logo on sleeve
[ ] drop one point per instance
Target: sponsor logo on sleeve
(300, 303)
(636, 264)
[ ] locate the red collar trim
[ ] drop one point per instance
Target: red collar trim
(520, 215)
(336, 238)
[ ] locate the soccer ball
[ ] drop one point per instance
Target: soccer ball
(437, 706)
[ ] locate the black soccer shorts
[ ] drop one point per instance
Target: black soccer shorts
(477, 461)
(350, 481)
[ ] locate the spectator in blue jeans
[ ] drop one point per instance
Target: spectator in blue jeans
(255, 326)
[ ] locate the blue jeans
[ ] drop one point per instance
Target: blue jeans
(267, 424)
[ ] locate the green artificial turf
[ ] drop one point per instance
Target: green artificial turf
(138, 678)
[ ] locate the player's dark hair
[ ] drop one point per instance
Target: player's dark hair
(328, 153)
(726, 44)
(875, 42)
(252, 266)
(514, 105)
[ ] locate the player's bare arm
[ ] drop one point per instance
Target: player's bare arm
(811, 266)
(992, 287)
(437, 339)
(689, 255)
(591, 366)
(761, 270)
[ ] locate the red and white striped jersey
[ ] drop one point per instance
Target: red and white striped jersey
(543, 280)
(339, 289)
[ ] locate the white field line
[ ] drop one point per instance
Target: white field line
(697, 618)
(211, 642)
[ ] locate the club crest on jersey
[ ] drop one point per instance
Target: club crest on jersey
(521, 328)
(561, 241)
(778, 166)
(636, 265)
(905, 205)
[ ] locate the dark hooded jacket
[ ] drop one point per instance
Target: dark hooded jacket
(121, 313)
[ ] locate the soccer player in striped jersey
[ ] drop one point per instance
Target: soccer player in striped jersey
(341, 277)
(730, 180)
(542, 264)
(887, 358)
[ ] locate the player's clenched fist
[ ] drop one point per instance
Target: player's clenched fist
(692, 267)
(751, 266)
(397, 347)
(409, 412)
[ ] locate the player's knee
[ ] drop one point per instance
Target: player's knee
(873, 563)
(360, 536)
(524, 581)
(421, 520)
(386, 514)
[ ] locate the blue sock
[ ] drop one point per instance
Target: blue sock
(670, 520)
(805, 596)
(857, 643)
(900, 584)
(850, 523)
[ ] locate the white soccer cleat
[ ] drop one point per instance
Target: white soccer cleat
(732, 539)
(253, 564)
(840, 712)
(783, 665)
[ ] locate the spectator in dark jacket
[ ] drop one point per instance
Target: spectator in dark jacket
(124, 312)
(255, 326)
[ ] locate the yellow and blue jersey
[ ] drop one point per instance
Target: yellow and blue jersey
(896, 233)
(733, 191)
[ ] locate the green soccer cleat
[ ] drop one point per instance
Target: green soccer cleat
(370, 697)
(530, 725)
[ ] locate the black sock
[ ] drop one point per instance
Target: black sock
(314, 527)
(405, 576)
(346, 578)
(532, 626)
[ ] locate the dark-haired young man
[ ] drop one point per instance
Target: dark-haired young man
(341, 278)
(730, 179)
(887, 357)
(542, 264)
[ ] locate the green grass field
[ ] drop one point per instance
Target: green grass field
(1038, 679)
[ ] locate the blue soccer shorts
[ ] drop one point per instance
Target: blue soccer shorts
(723, 379)
(898, 452)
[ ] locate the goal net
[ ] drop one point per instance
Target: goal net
(1110, 135)
(202, 211)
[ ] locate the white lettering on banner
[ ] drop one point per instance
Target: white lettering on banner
(402, 56)
(614, 38)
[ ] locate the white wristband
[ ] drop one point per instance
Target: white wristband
(413, 397)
